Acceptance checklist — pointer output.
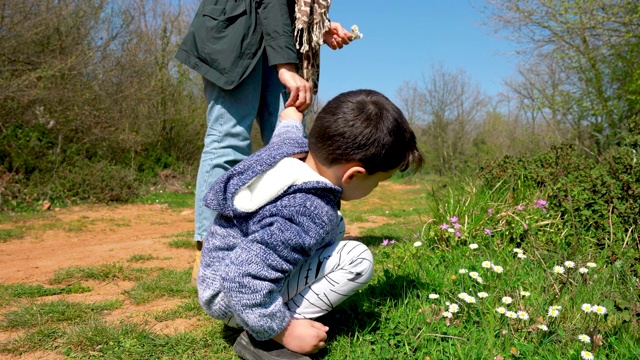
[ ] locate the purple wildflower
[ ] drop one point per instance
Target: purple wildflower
(385, 242)
(521, 207)
(541, 203)
(458, 234)
(488, 231)
(524, 226)
(444, 226)
(415, 236)
(457, 226)
(490, 211)
(454, 219)
(393, 241)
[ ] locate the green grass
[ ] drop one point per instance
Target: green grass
(172, 199)
(106, 272)
(182, 240)
(141, 258)
(11, 234)
(13, 291)
(168, 283)
(397, 316)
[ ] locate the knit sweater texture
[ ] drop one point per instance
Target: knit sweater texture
(274, 212)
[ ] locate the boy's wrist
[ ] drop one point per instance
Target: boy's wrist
(291, 113)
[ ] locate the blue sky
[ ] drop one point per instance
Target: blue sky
(402, 39)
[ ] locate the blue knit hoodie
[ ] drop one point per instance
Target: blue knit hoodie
(273, 213)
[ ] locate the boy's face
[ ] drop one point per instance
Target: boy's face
(362, 184)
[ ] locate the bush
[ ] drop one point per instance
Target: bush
(600, 197)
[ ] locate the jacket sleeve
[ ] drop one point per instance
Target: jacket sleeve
(275, 17)
(289, 232)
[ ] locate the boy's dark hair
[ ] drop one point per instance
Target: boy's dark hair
(364, 126)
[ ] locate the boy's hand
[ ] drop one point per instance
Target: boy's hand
(291, 113)
(303, 336)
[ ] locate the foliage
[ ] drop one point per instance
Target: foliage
(601, 199)
(93, 106)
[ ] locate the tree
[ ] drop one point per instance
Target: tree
(446, 105)
(588, 41)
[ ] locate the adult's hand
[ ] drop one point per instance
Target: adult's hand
(336, 36)
(301, 94)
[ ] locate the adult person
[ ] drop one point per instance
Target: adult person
(248, 53)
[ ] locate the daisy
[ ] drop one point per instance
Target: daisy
(482, 295)
(486, 264)
(463, 271)
(557, 307)
(586, 308)
(479, 279)
(501, 310)
(584, 338)
(417, 243)
(433, 296)
(598, 309)
(522, 315)
(558, 269)
(522, 256)
(451, 230)
(569, 264)
(497, 269)
(586, 355)
(473, 246)
(511, 315)
(553, 312)
(583, 270)
(542, 327)
(474, 274)
(525, 293)
(454, 308)
(447, 314)
(507, 300)
(470, 300)
(517, 251)
(591, 264)
(463, 295)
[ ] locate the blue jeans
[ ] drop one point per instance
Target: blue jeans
(230, 115)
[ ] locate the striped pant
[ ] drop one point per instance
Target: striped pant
(328, 277)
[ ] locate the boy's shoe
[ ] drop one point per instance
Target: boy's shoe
(249, 348)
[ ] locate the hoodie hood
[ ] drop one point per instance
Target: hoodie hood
(264, 175)
(269, 185)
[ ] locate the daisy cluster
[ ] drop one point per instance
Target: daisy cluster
(508, 306)
(561, 269)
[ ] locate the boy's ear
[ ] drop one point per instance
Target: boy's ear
(352, 172)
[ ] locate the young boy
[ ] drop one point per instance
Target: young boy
(273, 258)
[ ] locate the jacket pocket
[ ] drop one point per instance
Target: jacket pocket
(228, 10)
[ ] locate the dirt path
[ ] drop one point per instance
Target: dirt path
(95, 235)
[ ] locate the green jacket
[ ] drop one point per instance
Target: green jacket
(227, 37)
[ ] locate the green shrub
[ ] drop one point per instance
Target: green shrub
(599, 197)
